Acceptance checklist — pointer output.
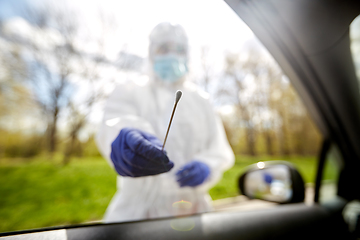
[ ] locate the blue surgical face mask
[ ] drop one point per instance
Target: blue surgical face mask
(170, 68)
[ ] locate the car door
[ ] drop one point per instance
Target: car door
(310, 41)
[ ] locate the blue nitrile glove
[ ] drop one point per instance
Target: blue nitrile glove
(136, 154)
(193, 174)
(268, 178)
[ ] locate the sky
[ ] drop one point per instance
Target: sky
(207, 22)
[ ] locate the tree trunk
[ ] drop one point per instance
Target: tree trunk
(284, 136)
(269, 143)
(299, 142)
(52, 137)
(69, 150)
(250, 137)
(284, 145)
(73, 137)
(53, 131)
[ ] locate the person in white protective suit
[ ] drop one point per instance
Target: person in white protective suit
(154, 183)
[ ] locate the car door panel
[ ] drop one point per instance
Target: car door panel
(288, 221)
(292, 221)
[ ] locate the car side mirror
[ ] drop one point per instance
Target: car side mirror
(275, 181)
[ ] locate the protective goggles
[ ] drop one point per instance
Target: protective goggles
(166, 48)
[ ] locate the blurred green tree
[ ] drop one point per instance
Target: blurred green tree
(53, 65)
(269, 117)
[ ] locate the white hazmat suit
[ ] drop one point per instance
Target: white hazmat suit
(196, 134)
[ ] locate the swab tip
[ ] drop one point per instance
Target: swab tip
(178, 95)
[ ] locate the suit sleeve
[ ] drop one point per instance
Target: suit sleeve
(218, 155)
(120, 111)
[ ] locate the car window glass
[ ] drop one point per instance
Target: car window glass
(355, 44)
(60, 62)
(331, 172)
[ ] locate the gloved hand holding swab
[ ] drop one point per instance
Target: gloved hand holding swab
(178, 95)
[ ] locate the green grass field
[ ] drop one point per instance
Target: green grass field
(40, 193)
